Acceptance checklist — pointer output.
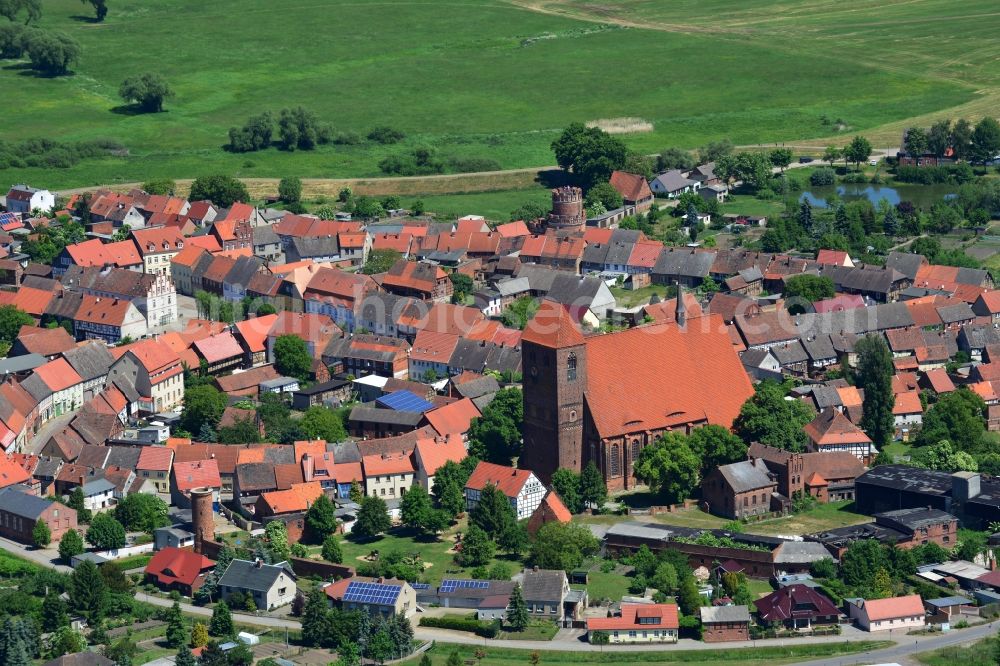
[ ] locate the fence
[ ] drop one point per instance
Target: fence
(126, 551)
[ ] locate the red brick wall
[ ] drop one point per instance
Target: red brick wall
(717, 633)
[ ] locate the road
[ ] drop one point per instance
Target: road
(41, 438)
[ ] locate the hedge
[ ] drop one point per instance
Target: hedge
(484, 629)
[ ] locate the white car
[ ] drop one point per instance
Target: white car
(873, 162)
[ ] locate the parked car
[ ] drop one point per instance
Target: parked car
(805, 159)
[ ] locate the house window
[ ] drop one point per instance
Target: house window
(615, 463)
(571, 368)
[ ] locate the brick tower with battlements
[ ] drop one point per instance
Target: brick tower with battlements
(567, 209)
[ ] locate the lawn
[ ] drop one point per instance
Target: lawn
(489, 79)
(439, 563)
(602, 585)
(821, 517)
(983, 653)
(491, 205)
(747, 656)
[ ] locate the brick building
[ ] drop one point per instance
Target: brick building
(575, 408)
(739, 490)
(20, 512)
(827, 476)
(725, 623)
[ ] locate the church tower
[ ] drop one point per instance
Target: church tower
(554, 365)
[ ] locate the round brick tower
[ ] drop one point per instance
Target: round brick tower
(202, 518)
(567, 208)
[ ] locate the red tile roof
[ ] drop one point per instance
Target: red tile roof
(218, 347)
(453, 418)
(907, 403)
(840, 303)
(513, 229)
(102, 310)
(552, 326)
(158, 240)
(384, 465)
(197, 474)
(796, 601)
(254, 331)
(435, 452)
(28, 299)
(433, 347)
(11, 472)
(836, 257)
(631, 186)
(629, 619)
(832, 427)
(347, 472)
(58, 375)
(896, 607)
(939, 380)
(297, 498)
(175, 565)
(45, 341)
(155, 458)
(154, 355)
(508, 480)
(555, 507)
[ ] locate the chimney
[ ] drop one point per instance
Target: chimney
(680, 313)
(259, 563)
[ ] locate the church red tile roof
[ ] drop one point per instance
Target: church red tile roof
(552, 326)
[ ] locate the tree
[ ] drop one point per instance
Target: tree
(122, 651)
(860, 562)
(566, 484)
(961, 138)
(517, 615)
(957, 417)
(450, 497)
(939, 137)
(148, 91)
(11, 8)
(299, 128)
(185, 658)
(41, 536)
(221, 623)
(367, 208)
(715, 445)
(874, 377)
(590, 153)
(915, 141)
(221, 190)
(199, 635)
(331, 550)
(321, 423)
(463, 286)
(670, 467)
(71, 544)
(105, 532)
(715, 151)
(52, 53)
(11, 321)
(768, 418)
(674, 158)
(290, 189)
(54, 615)
(604, 194)
(142, 512)
(65, 641)
(496, 434)
(986, 139)
(163, 186)
(87, 591)
(380, 261)
(562, 546)
(254, 135)
(276, 533)
(781, 157)
(593, 489)
(373, 518)
(243, 431)
(291, 357)
(804, 289)
(743, 596)
(176, 631)
(477, 549)
(321, 523)
(493, 513)
(858, 150)
(831, 154)
(689, 598)
(519, 313)
(943, 457)
(100, 8)
(203, 405)
(416, 510)
(527, 212)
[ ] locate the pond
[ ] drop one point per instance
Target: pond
(922, 196)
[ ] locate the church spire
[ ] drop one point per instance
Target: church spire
(680, 314)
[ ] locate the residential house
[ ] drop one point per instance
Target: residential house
(682, 266)
(20, 512)
(157, 246)
(832, 431)
(905, 613)
(634, 190)
(547, 594)
(638, 623)
(267, 245)
(47, 342)
(377, 597)
(388, 475)
(185, 264)
(721, 624)
(237, 280)
(424, 281)
(155, 463)
(430, 453)
(551, 510)
(524, 490)
(671, 184)
(797, 606)
(188, 475)
(153, 295)
(333, 393)
(739, 490)
(363, 354)
(221, 353)
(122, 254)
(56, 388)
(108, 319)
(315, 329)
(173, 568)
(269, 585)
(155, 371)
(27, 200)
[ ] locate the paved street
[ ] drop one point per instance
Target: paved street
(41, 438)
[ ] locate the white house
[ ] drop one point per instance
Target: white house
(672, 184)
(98, 495)
(894, 613)
(270, 585)
(24, 199)
(521, 487)
(388, 476)
(907, 412)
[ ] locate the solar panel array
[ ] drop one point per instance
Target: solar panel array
(420, 586)
(372, 593)
(452, 584)
(404, 401)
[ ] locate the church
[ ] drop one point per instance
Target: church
(605, 397)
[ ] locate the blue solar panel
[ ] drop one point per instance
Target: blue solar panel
(452, 584)
(404, 401)
(372, 593)
(420, 586)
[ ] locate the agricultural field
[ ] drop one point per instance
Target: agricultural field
(493, 79)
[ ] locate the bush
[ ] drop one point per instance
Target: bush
(473, 164)
(52, 53)
(471, 625)
(346, 138)
(385, 135)
(822, 176)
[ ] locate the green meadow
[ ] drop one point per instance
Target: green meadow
(491, 79)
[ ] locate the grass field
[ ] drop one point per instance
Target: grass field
(746, 656)
(983, 653)
(494, 78)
